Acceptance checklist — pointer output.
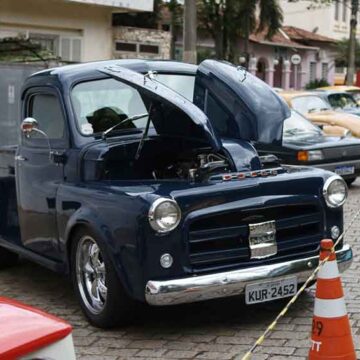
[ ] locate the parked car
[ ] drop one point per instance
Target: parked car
(305, 144)
(353, 90)
(315, 108)
(27, 333)
(143, 195)
(341, 101)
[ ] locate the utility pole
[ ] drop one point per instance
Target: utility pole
(352, 43)
(190, 32)
(173, 5)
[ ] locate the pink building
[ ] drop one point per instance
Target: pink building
(274, 61)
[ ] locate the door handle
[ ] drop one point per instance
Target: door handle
(20, 158)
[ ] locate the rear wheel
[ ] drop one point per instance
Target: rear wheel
(96, 284)
(7, 258)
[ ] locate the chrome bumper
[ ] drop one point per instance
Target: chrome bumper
(204, 287)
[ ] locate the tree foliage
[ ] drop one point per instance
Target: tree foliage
(341, 56)
(227, 21)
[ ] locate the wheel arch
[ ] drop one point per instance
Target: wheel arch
(86, 219)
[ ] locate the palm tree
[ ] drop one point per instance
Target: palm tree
(230, 20)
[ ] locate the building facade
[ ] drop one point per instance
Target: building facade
(331, 20)
(75, 30)
(292, 58)
(135, 42)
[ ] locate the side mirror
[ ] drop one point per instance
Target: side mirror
(28, 126)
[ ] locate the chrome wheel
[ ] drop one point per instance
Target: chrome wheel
(91, 274)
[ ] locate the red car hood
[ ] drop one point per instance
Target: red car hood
(24, 329)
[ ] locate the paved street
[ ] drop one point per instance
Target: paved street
(214, 330)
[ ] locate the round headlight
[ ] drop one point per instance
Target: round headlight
(164, 215)
(335, 191)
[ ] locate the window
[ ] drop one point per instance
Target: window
(70, 49)
(308, 104)
(152, 49)
(298, 126)
(337, 9)
(312, 74)
(101, 104)
(324, 70)
(136, 47)
(342, 101)
(123, 46)
(48, 42)
(183, 84)
(46, 109)
(344, 14)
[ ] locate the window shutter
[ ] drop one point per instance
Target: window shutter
(76, 50)
(71, 49)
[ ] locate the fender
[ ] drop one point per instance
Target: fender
(93, 221)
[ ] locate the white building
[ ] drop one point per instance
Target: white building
(329, 20)
(75, 30)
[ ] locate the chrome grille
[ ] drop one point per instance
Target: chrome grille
(221, 240)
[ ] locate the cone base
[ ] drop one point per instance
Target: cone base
(313, 356)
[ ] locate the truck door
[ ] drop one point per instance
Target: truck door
(39, 174)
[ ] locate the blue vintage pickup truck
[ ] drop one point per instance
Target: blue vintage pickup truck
(145, 189)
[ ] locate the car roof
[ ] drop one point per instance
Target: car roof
(340, 88)
(330, 91)
(291, 94)
(288, 96)
(64, 77)
(138, 65)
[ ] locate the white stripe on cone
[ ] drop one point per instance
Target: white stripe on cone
(329, 270)
(330, 308)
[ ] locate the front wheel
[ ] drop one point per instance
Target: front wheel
(96, 284)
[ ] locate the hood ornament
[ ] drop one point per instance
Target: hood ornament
(243, 70)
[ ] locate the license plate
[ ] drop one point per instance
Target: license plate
(270, 290)
(345, 170)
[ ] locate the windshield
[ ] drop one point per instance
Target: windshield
(297, 125)
(182, 84)
(102, 104)
(342, 100)
(309, 103)
(355, 94)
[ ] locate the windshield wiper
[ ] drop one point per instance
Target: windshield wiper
(293, 131)
(296, 131)
(132, 118)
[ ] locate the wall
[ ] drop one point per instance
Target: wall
(138, 36)
(137, 5)
(267, 55)
(11, 82)
(91, 23)
(322, 18)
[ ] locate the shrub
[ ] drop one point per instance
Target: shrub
(316, 84)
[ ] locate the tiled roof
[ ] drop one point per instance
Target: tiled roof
(279, 39)
(290, 36)
(298, 34)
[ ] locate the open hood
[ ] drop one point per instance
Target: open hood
(178, 116)
(252, 109)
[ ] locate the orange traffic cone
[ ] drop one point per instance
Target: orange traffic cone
(331, 337)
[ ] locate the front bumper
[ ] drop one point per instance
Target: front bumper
(204, 287)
